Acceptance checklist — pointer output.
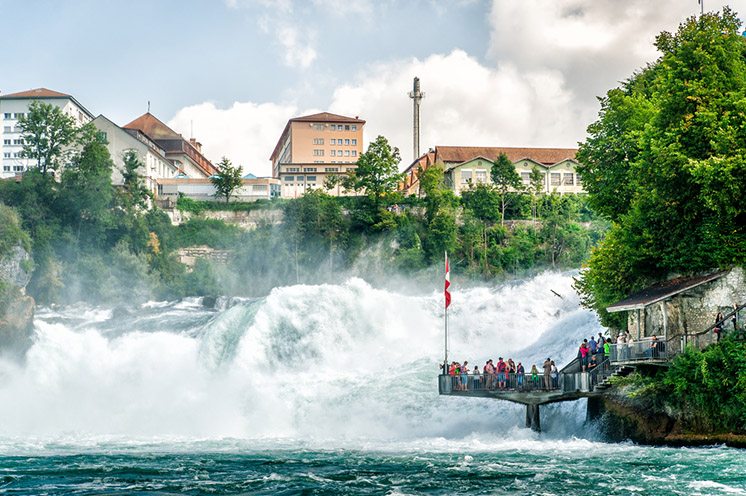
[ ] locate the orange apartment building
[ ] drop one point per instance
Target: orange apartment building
(314, 147)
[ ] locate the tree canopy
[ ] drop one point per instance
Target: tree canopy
(48, 134)
(666, 163)
(227, 180)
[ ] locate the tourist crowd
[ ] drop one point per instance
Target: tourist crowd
(504, 375)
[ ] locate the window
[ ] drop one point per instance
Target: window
(354, 127)
(259, 187)
(299, 178)
(334, 152)
(7, 129)
(526, 177)
(6, 154)
(555, 179)
(347, 141)
(354, 153)
(6, 168)
(18, 168)
(578, 180)
(309, 169)
(310, 179)
(318, 141)
(334, 142)
(347, 127)
(481, 176)
(569, 179)
(465, 176)
(347, 153)
(318, 153)
(288, 178)
(19, 115)
(293, 169)
(331, 169)
(339, 153)
(6, 142)
(18, 141)
(318, 127)
(354, 141)
(7, 115)
(18, 155)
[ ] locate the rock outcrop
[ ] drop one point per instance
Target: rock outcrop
(16, 308)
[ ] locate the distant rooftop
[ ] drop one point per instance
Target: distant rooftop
(37, 93)
(546, 156)
(327, 117)
(153, 127)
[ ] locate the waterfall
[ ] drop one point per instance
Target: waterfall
(332, 362)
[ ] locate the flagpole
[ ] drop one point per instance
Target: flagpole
(447, 301)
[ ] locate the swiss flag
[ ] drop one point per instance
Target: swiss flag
(448, 282)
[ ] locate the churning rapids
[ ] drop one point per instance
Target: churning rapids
(327, 389)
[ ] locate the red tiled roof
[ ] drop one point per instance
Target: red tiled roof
(37, 93)
(546, 156)
(150, 125)
(327, 117)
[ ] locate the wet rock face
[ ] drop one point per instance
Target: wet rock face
(15, 267)
(16, 324)
(16, 308)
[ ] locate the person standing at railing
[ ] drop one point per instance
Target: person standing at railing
(519, 372)
(592, 345)
(501, 367)
(534, 376)
(547, 374)
(607, 348)
(555, 375)
(718, 329)
(583, 354)
(489, 372)
(465, 376)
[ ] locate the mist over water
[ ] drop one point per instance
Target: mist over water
(330, 387)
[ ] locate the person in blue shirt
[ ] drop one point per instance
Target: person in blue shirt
(592, 345)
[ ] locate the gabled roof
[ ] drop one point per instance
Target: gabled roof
(546, 156)
(37, 93)
(327, 117)
(662, 291)
(131, 134)
(153, 127)
(44, 93)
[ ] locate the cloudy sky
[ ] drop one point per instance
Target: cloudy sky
(500, 73)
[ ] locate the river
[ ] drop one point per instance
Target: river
(327, 389)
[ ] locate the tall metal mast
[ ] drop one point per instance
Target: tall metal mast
(416, 95)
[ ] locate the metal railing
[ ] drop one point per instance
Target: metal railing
(645, 349)
(508, 382)
(727, 325)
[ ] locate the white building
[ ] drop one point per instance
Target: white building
(15, 105)
(252, 189)
(155, 164)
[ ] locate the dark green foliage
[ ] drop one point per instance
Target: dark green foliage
(11, 233)
(134, 193)
(227, 180)
(377, 174)
(666, 163)
(204, 232)
(505, 179)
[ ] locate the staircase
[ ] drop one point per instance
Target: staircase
(622, 371)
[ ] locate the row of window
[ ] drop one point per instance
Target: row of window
(8, 142)
(555, 178)
(7, 115)
(289, 179)
(11, 129)
(335, 141)
(335, 153)
(16, 168)
(336, 127)
(312, 169)
(12, 155)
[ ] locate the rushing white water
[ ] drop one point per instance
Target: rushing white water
(331, 363)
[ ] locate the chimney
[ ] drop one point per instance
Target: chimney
(196, 144)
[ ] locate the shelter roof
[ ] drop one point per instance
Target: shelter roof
(327, 117)
(662, 291)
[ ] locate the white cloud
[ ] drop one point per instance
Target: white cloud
(246, 132)
(547, 62)
(298, 45)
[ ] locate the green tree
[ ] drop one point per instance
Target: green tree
(666, 162)
(536, 183)
(48, 135)
(227, 180)
(377, 172)
(136, 194)
(504, 178)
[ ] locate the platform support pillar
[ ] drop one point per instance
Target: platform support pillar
(533, 419)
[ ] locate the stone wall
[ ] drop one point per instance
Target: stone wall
(695, 310)
(245, 220)
(189, 255)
